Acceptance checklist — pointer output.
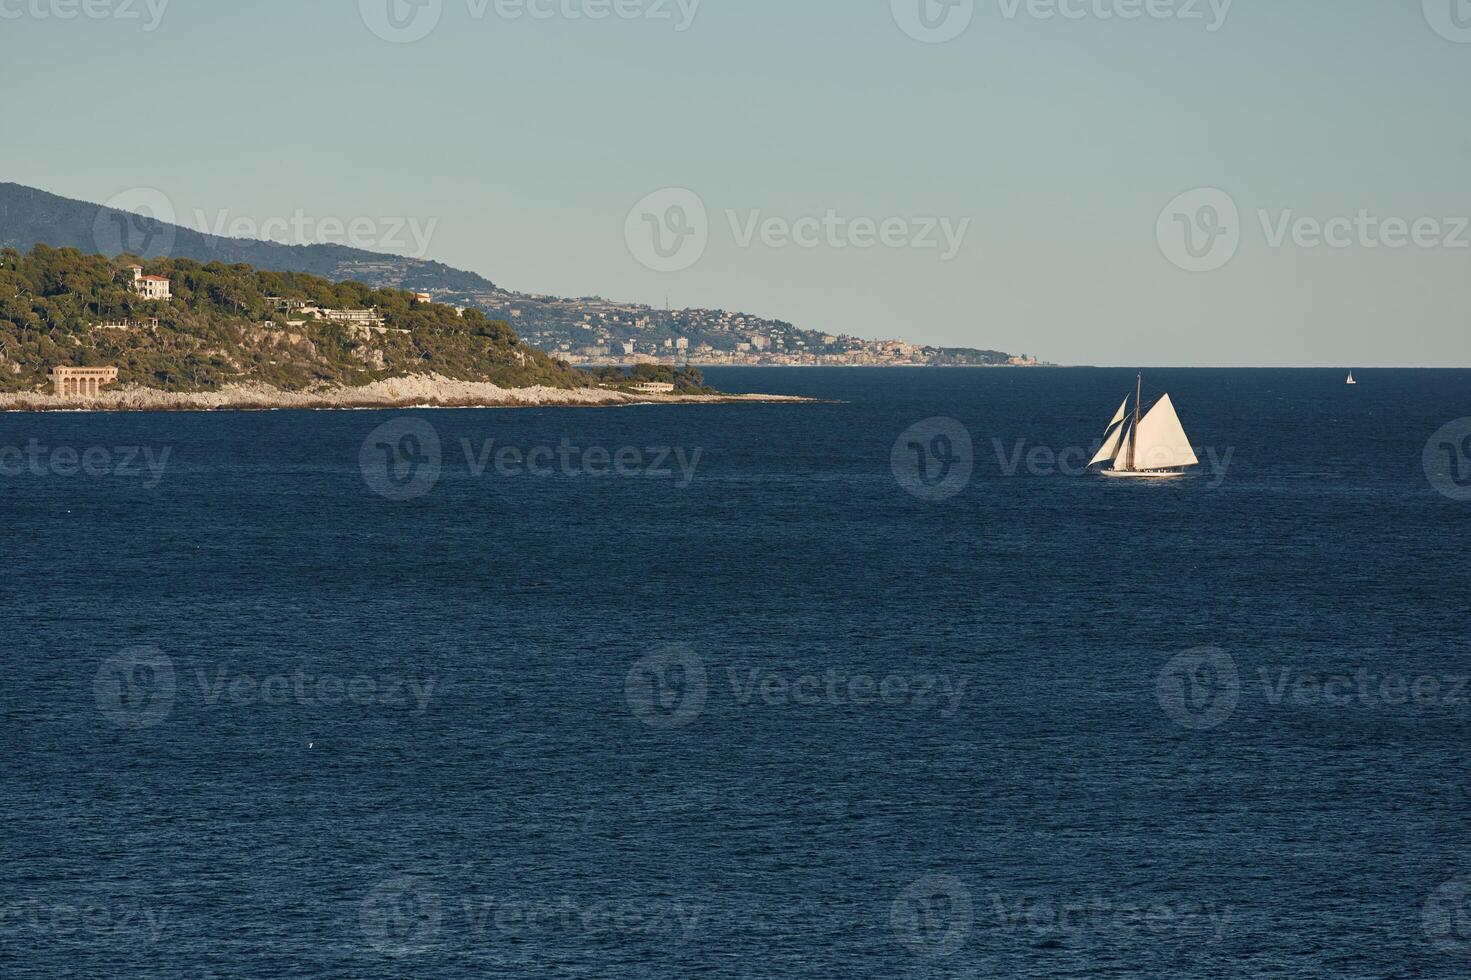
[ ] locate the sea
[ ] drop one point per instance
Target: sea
(880, 685)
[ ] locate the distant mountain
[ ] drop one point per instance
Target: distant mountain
(587, 329)
(30, 217)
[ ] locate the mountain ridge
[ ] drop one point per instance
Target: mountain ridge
(581, 330)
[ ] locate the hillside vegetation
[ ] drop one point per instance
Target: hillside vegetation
(225, 324)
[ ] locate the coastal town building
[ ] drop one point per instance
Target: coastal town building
(371, 317)
(151, 287)
(655, 388)
(81, 382)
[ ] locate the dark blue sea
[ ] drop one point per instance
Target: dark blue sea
(806, 690)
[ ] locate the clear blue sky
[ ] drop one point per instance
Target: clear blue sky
(1061, 140)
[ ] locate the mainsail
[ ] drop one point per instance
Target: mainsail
(1161, 442)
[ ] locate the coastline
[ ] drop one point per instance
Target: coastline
(414, 391)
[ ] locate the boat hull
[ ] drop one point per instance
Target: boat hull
(1145, 474)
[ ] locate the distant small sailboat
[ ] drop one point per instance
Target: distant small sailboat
(1351, 378)
(1146, 444)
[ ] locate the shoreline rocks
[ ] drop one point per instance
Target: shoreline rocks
(415, 391)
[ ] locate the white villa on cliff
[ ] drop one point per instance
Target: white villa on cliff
(151, 287)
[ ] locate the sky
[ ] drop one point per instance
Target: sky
(1112, 182)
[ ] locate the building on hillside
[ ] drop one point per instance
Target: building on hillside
(370, 316)
(424, 297)
(81, 382)
(151, 287)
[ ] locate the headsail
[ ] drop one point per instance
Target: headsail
(1111, 445)
(1161, 442)
(1113, 435)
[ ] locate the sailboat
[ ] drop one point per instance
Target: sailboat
(1351, 378)
(1146, 443)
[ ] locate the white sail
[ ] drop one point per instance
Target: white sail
(1161, 442)
(1111, 445)
(1122, 413)
(1121, 459)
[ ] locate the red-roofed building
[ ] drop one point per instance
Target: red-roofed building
(151, 287)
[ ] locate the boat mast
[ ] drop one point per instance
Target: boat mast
(1134, 437)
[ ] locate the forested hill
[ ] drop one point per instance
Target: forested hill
(30, 217)
(232, 323)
